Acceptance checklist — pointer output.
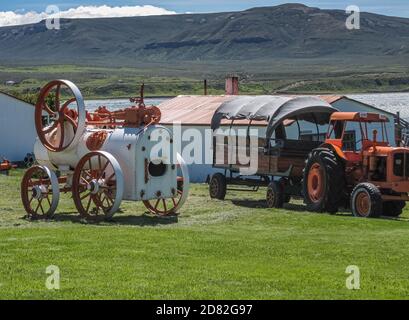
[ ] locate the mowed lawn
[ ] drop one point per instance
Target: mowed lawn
(233, 249)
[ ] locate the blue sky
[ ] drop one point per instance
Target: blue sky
(387, 7)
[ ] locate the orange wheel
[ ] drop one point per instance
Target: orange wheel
(363, 204)
(316, 182)
(40, 192)
(97, 187)
(366, 201)
(67, 116)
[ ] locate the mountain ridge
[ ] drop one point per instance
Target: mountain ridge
(289, 31)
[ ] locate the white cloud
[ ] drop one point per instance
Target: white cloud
(10, 18)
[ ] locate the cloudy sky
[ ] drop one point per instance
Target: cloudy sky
(27, 11)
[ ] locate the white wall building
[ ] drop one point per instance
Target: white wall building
(17, 128)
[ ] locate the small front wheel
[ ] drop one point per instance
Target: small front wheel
(40, 192)
(275, 195)
(366, 201)
(218, 186)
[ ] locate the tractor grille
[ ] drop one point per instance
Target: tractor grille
(401, 164)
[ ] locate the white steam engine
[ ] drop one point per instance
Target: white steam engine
(101, 157)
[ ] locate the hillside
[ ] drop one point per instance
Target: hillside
(285, 31)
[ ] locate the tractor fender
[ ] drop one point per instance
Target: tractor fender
(335, 148)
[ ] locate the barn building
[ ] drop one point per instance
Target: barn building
(196, 112)
(17, 129)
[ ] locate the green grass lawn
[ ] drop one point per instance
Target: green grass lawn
(235, 249)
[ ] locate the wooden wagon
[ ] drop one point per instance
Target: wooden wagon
(279, 133)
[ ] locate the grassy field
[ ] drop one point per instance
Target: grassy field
(236, 249)
(124, 82)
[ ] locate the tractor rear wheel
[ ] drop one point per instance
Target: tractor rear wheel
(275, 195)
(323, 181)
(366, 201)
(218, 186)
(393, 208)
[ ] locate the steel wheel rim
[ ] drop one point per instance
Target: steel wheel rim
(270, 197)
(40, 194)
(61, 115)
(214, 187)
(315, 182)
(97, 186)
(363, 204)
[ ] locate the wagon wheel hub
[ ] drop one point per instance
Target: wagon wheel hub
(94, 186)
(38, 192)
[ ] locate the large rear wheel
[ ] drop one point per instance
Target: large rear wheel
(323, 181)
(97, 186)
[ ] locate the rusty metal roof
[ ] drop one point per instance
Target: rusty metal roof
(195, 110)
(199, 110)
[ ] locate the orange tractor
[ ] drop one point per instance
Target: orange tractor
(366, 174)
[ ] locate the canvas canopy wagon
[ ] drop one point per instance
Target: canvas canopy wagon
(286, 128)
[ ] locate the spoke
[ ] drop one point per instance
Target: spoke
(174, 202)
(38, 206)
(87, 195)
(103, 170)
(71, 121)
(85, 180)
(48, 199)
(109, 199)
(88, 204)
(62, 136)
(88, 173)
(110, 177)
(57, 97)
(47, 109)
(31, 199)
(54, 126)
(41, 206)
(67, 103)
(164, 204)
(157, 203)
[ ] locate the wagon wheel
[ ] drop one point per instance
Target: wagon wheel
(67, 117)
(166, 207)
(98, 186)
(40, 192)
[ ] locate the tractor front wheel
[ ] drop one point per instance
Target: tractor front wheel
(323, 181)
(366, 201)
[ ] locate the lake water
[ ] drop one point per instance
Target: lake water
(392, 102)
(115, 104)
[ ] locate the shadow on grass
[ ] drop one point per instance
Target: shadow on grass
(297, 207)
(126, 220)
(251, 203)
